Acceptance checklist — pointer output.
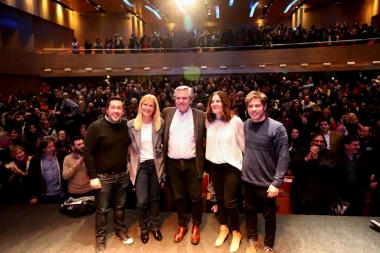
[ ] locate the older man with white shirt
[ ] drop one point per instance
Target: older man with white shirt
(183, 146)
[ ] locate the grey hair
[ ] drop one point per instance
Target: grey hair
(134, 99)
(184, 87)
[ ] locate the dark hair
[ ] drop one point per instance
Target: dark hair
(316, 134)
(284, 110)
(74, 139)
(227, 113)
(324, 120)
(349, 139)
(114, 98)
(17, 130)
(45, 142)
(29, 136)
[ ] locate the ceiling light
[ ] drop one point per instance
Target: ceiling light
(180, 6)
(128, 3)
(290, 5)
(253, 9)
(154, 12)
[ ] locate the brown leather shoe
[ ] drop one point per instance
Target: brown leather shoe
(178, 236)
(195, 235)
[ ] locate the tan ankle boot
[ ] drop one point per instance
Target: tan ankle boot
(236, 237)
(222, 236)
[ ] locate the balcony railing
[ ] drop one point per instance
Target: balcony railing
(215, 49)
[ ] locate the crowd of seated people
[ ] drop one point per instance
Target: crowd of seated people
(335, 116)
(254, 35)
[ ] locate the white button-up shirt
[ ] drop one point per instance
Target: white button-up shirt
(181, 136)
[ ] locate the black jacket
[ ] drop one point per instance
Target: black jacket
(315, 182)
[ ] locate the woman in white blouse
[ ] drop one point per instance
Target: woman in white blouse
(224, 151)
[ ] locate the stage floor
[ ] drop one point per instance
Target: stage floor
(41, 228)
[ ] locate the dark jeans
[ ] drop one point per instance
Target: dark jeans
(185, 181)
(58, 198)
(227, 184)
(147, 191)
(252, 194)
(111, 185)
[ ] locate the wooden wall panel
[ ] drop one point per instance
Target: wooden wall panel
(9, 28)
(103, 26)
(12, 84)
(18, 62)
(44, 9)
(362, 11)
(50, 35)
(22, 31)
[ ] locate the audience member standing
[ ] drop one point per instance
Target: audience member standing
(75, 46)
(65, 109)
(315, 177)
(356, 169)
(87, 47)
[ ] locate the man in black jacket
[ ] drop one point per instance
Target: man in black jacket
(356, 170)
(315, 177)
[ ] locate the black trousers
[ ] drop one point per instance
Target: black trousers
(115, 185)
(252, 194)
(186, 182)
(226, 180)
(148, 195)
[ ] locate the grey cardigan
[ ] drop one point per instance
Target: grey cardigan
(135, 151)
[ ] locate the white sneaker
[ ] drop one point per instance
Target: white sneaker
(124, 237)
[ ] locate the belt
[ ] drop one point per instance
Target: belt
(148, 162)
(113, 172)
(181, 160)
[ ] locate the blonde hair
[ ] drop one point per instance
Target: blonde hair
(156, 114)
(352, 116)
